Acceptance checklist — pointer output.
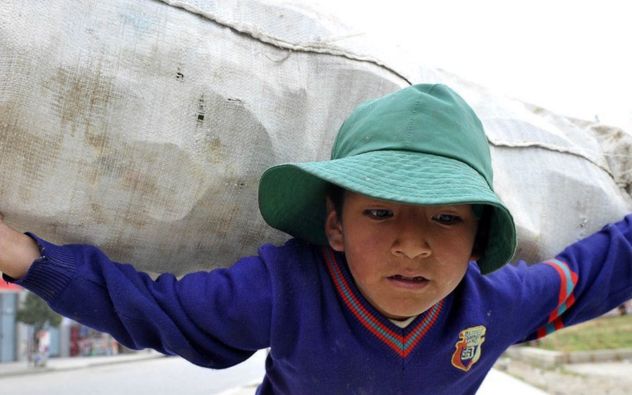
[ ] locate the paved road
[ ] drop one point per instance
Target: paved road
(160, 375)
(155, 376)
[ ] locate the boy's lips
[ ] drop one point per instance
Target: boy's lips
(409, 282)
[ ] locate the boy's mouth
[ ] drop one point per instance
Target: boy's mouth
(408, 281)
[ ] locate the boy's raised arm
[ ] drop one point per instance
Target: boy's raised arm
(17, 251)
(213, 318)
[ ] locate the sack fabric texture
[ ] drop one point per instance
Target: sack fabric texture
(145, 126)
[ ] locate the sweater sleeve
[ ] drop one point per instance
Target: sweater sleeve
(586, 280)
(214, 319)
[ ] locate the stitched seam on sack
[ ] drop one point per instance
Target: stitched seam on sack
(274, 41)
(551, 148)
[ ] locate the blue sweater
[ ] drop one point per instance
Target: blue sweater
(300, 300)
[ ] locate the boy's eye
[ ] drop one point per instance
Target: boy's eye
(447, 219)
(378, 213)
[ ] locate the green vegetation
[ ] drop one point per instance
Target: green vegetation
(600, 334)
(36, 312)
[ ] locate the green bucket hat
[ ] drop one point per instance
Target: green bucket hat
(420, 145)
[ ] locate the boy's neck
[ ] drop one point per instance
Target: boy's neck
(403, 322)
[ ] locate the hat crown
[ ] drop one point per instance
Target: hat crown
(430, 119)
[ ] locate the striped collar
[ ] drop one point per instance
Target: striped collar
(401, 340)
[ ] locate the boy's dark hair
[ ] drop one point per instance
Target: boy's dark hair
(337, 196)
(482, 232)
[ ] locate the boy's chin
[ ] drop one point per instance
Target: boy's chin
(401, 314)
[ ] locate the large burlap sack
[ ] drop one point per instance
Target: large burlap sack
(143, 127)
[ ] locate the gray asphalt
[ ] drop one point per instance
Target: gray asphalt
(156, 376)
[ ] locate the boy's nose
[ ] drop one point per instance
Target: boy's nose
(411, 241)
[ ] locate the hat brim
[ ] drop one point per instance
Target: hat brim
(292, 196)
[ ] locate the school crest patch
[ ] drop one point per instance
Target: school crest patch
(468, 349)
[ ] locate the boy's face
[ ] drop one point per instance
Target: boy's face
(403, 258)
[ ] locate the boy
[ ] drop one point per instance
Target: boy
(392, 285)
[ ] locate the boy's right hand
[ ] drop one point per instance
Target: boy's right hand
(17, 251)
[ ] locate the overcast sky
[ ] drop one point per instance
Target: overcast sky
(572, 57)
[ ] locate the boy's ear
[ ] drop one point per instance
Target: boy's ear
(333, 228)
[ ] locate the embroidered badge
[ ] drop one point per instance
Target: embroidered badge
(468, 348)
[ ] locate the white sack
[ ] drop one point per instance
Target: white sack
(143, 127)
